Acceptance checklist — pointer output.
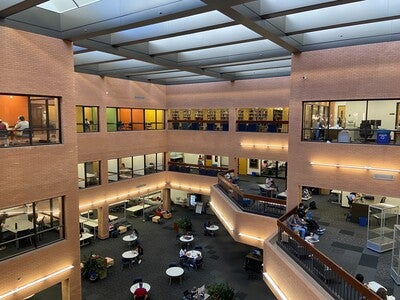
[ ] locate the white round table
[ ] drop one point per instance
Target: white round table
(174, 272)
(130, 254)
(136, 285)
(212, 228)
(129, 238)
(193, 253)
(186, 238)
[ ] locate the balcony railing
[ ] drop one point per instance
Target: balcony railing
(333, 278)
(194, 169)
(251, 203)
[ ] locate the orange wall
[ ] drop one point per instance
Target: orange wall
(12, 108)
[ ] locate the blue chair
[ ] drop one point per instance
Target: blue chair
(252, 127)
(195, 126)
(272, 128)
(211, 126)
(242, 127)
(225, 127)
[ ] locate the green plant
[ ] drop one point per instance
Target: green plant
(221, 291)
(94, 267)
(185, 224)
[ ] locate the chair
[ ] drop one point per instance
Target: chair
(199, 263)
(383, 200)
(211, 126)
(4, 136)
(199, 248)
(126, 262)
(272, 128)
(186, 295)
(172, 265)
(366, 130)
(137, 280)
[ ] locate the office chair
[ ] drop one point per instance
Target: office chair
(126, 262)
(366, 131)
(137, 280)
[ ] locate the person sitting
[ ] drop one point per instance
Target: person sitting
(182, 254)
(140, 293)
(360, 277)
(312, 225)
(21, 125)
(296, 224)
(351, 198)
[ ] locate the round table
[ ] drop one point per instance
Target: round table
(129, 238)
(136, 285)
(186, 238)
(131, 254)
(212, 228)
(174, 272)
(193, 253)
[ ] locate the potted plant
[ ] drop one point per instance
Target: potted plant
(185, 224)
(94, 267)
(221, 291)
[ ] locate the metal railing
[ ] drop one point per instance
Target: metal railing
(333, 278)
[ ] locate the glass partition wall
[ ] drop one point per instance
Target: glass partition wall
(127, 119)
(29, 120)
(356, 121)
(30, 226)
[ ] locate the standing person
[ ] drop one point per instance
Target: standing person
(87, 125)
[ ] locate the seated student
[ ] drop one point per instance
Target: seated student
(312, 225)
(295, 223)
(140, 251)
(140, 293)
(182, 254)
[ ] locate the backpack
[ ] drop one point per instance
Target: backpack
(312, 205)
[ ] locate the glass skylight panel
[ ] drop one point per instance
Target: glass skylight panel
(94, 57)
(255, 66)
(61, 6)
(201, 39)
(170, 27)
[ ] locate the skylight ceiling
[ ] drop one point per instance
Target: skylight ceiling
(189, 41)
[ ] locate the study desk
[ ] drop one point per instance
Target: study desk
(137, 208)
(85, 238)
(17, 224)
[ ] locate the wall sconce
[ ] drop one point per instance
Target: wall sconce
(367, 168)
(263, 146)
(16, 290)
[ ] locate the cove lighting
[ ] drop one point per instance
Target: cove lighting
(16, 290)
(251, 237)
(275, 286)
(354, 167)
(263, 146)
(221, 217)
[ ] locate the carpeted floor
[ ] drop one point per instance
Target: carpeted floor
(223, 262)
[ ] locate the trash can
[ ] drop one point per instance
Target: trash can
(362, 221)
(383, 136)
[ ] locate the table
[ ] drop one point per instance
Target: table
(131, 254)
(212, 228)
(175, 272)
(136, 285)
(17, 224)
(85, 238)
(311, 239)
(267, 188)
(137, 208)
(193, 253)
(374, 286)
(337, 196)
(130, 238)
(282, 195)
(186, 239)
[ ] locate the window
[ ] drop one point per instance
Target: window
(127, 119)
(267, 119)
(133, 166)
(89, 174)
(356, 121)
(87, 119)
(30, 226)
(29, 120)
(211, 119)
